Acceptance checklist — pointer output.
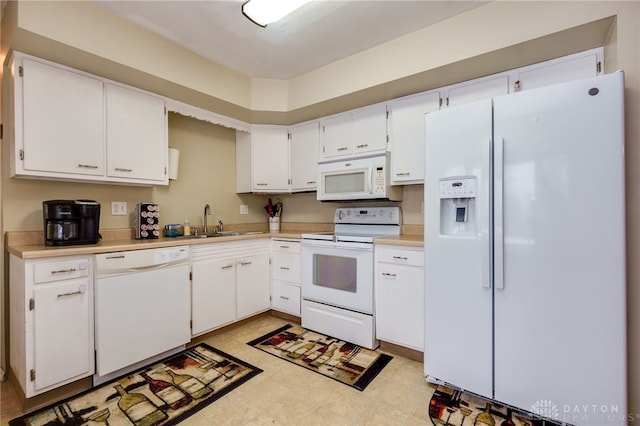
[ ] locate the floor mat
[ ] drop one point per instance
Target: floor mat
(454, 407)
(342, 361)
(163, 393)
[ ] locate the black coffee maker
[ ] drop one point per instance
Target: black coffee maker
(70, 222)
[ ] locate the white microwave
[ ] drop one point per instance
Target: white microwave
(357, 179)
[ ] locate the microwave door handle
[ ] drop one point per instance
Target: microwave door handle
(371, 180)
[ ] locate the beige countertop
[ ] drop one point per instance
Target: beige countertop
(27, 246)
(408, 240)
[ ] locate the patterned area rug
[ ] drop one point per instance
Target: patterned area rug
(454, 407)
(342, 361)
(161, 394)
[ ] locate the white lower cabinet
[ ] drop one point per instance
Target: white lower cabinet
(51, 314)
(285, 276)
(253, 292)
(229, 281)
(399, 295)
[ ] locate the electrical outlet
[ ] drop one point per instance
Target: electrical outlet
(244, 209)
(118, 208)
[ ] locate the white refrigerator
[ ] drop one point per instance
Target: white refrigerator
(525, 278)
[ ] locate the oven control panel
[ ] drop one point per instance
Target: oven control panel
(368, 215)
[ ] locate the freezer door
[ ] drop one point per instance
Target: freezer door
(560, 318)
(458, 315)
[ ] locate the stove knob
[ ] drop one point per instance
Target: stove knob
(340, 214)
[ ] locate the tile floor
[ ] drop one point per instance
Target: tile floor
(285, 394)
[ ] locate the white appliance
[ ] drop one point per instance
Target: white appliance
(142, 308)
(525, 250)
(337, 273)
(357, 179)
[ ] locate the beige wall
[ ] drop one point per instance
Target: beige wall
(498, 36)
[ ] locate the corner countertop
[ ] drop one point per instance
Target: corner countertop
(26, 248)
(407, 240)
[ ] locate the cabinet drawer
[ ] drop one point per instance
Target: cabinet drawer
(286, 298)
(282, 246)
(60, 270)
(400, 256)
(286, 267)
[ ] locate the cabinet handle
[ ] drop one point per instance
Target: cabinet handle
(262, 184)
(400, 257)
(63, 271)
(284, 268)
(311, 182)
(120, 169)
(244, 263)
(387, 274)
(285, 298)
(403, 174)
(344, 148)
(284, 247)
(227, 267)
(362, 146)
(87, 166)
(72, 293)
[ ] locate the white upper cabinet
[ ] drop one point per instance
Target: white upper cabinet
(262, 159)
(475, 90)
(336, 135)
(354, 133)
(270, 158)
(59, 121)
(572, 67)
(304, 140)
(370, 129)
(406, 130)
(137, 146)
(65, 124)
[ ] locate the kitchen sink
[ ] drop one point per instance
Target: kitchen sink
(233, 233)
(218, 234)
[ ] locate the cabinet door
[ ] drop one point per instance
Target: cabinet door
(569, 68)
(370, 129)
(305, 139)
(336, 135)
(407, 136)
(62, 123)
(137, 145)
(475, 90)
(253, 285)
(400, 305)
(213, 294)
(62, 331)
(270, 158)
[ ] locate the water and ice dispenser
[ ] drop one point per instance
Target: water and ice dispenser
(458, 206)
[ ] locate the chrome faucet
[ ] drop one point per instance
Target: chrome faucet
(207, 212)
(221, 225)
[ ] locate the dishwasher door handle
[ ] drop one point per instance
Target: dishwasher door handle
(120, 271)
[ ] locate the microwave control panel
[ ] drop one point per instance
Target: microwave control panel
(379, 183)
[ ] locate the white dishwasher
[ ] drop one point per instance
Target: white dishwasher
(142, 307)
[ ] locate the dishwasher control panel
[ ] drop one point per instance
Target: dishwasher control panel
(170, 255)
(135, 260)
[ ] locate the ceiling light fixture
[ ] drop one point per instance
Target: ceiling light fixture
(263, 12)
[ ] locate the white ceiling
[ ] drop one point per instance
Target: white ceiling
(315, 35)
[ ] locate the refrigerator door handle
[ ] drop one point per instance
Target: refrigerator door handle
(498, 219)
(486, 229)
